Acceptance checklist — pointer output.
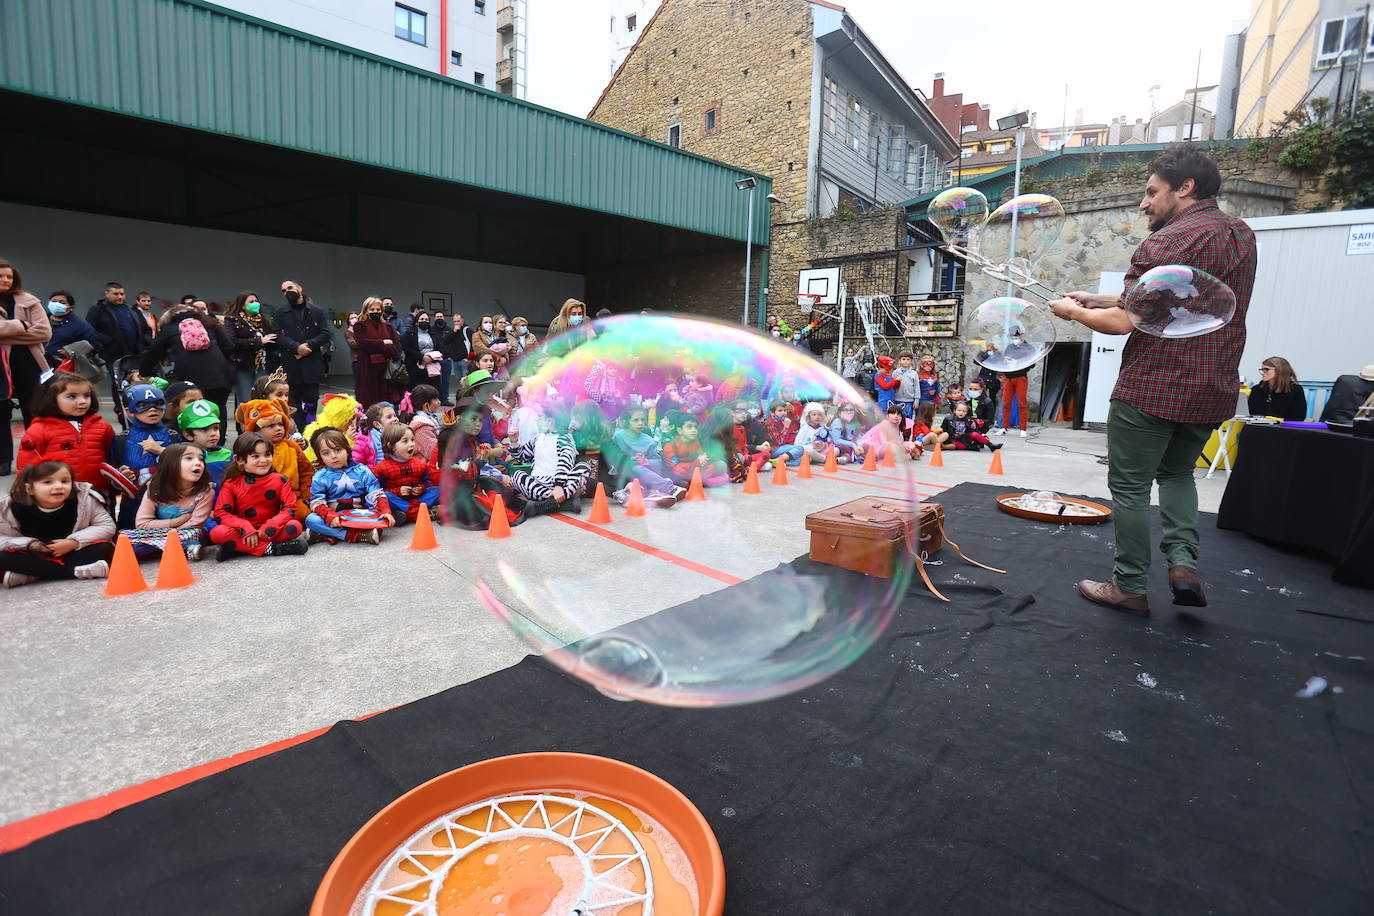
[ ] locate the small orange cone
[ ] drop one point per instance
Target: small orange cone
(890, 458)
(751, 481)
(125, 576)
(871, 460)
(498, 527)
(173, 571)
(996, 466)
(936, 459)
(601, 510)
(423, 538)
(832, 462)
(696, 493)
(634, 506)
(780, 473)
(804, 470)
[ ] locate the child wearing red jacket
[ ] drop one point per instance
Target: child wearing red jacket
(255, 512)
(67, 427)
(406, 478)
(884, 383)
(781, 429)
(752, 448)
(684, 455)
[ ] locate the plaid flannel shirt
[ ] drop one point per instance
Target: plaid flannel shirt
(1192, 379)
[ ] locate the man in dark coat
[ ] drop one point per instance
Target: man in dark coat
(126, 337)
(302, 334)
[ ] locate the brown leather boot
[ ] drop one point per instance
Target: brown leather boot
(1183, 582)
(1109, 594)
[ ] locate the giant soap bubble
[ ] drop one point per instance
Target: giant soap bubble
(1033, 222)
(1007, 334)
(958, 213)
(691, 603)
(1179, 301)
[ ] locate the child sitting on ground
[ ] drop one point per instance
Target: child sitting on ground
(781, 429)
(888, 435)
(556, 480)
(342, 483)
(920, 429)
(425, 423)
(271, 419)
(639, 456)
(337, 411)
(144, 408)
(177, 503)
(200, 425)
(750, 441)
(685, 455)
(254, 513)
(961, 432)
(405, 476)
(53, 527)
(846, 432)
(814, 435)
(367, 444)
(67, 427)
(979, 405)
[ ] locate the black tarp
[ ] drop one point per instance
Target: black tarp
(1016, 751)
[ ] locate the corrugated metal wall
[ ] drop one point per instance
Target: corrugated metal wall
(198, 66)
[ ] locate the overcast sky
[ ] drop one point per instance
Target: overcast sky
(1008, 54)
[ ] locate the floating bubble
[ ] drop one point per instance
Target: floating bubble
(958, 213)
(1179, 301)
(692, 603)
(1033, 222)
(1007, 334)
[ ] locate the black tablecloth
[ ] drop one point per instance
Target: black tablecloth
(1016, 751)
(1306, 488)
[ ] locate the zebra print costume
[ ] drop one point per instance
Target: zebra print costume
(572, 475)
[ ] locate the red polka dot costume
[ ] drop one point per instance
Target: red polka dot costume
(249, 503)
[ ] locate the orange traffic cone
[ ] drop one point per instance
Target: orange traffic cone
(936, 459)
(423, 538)
(890, 458)
(173, 571)
(125, 576)
(832, 462)
(634, 506)
(804, 470)
(871, 460)
(498, 527)
(751, 481)
(696, 493)
(996, 466)
(601, 510)
(780, 473)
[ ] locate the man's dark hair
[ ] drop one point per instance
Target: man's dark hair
(188, 299)
(1182, 161)
(113, 284)
(415, 307)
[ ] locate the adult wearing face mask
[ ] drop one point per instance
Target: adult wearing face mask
(67, 327)
(491, 338)
(419, 343)
(302, 334)
(378, 344)
(24, 329)
(522, 337)
(572, 315)
(255, 343)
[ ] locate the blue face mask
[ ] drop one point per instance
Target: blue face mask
(575, 319)
(58, 309)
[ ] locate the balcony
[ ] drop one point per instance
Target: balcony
(505, 19)
(505, 73)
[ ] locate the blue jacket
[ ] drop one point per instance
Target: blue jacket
(354, 483)
(133, 454)
(73, 329)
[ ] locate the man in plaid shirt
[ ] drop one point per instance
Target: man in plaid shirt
(1172, 392)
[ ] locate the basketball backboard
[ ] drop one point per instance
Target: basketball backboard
(820, 281)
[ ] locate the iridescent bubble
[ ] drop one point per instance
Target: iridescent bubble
(1033, 223)
(1179, 301)
(691, 603)
(958, 213)
(1006, 334)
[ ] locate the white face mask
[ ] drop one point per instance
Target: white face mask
(486, 326)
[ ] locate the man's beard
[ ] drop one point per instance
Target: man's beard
(1158, 224)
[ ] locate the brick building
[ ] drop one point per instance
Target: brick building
(793, 89)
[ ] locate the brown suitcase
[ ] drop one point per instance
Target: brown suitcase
(870, 534)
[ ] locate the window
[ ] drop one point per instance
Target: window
(479, 7)
(479, 79)
(710, 121)
(1341, 37)
(966, 152)
(1091, 139)
(631, 22)
(830, 105)
(410, 24)
(849, 202)
(455, 58)
(675, 135)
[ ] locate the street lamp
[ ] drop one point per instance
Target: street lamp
(1018, 122)
(748, 184)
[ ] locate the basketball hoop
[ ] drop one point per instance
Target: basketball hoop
(807, 302)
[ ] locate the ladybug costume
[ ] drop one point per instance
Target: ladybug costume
(250, 503)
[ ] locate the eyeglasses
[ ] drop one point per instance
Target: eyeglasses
(1266, 368)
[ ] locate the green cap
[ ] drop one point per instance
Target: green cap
(475, 378)
(159, 382)
(198, 414)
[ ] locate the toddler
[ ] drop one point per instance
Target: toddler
(556, 479)
(53, 527)
(781, 430)
(406, 478)
(953, 394)
(814, 434)
(177, 503)
(342, 483)
(200, 425)
(961, 433)
(271, 419)
(367, 445)
(253, 514)
(144, 408)
(888, 435)
(425, 422)
(67, 427)
(921, 429)
(684, 455)
(885, 383)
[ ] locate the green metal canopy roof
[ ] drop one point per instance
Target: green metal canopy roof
(199, 66)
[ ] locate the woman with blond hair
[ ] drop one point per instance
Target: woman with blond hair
(522, 338)
(1278, 393)
(378, 344)
(572, 314)
(492, 336)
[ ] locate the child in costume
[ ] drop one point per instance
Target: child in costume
(339, 411)
(638, 456)
(177, 503)
(253, 514)
(67, 427)
(271, 419)
(556, 479)
(53, 527)
(685, 455)
(885, 383)
(144, 408)
(342, 483)
(888, 435)
(928, 380)
(406, 478)
(272, 387)
(781, 429)
(751, 444)
(813, 434)
(200, 425)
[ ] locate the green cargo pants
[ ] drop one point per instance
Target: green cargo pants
(1142, 449)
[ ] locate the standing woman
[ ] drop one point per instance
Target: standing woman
(67, 327)
(378, 343)
(572, 314)
(352, 342)
(522, 338)
(199, 348)
(1278, 393)
(255, 344)
(491, 338)
(24, 328)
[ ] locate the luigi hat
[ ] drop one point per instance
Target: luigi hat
(198, 414)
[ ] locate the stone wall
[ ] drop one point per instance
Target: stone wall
(797, 245)
(702, 285)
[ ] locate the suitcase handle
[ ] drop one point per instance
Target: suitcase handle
(863, 518)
